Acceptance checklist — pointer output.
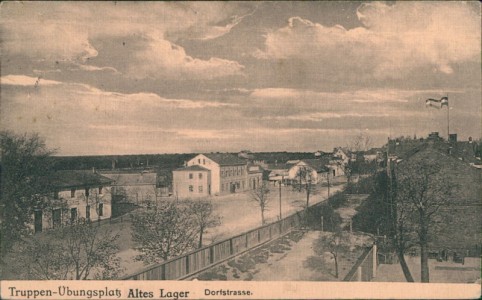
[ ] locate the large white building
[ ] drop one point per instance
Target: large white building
(214, 174)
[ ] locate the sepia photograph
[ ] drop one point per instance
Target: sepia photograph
(240, 150)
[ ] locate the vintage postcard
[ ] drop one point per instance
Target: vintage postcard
(240, 150)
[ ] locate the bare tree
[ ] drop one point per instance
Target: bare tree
(166, 230)
(203, 213)
(422, 189)
(304, 173)
(260, 196)
(79, 251)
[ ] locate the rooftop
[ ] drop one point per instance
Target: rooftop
(225, 159)
(138, 178)
(192, 168)
(78, 178)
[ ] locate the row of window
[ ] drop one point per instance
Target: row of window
(72, 192)
(199, 188)
(57, 216)
(200, 175)
(199, 161)
(233, 171)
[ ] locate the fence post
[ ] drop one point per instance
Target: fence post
(359, 273)
(270, 236)
(163, 272)
(375, 257)
(211, 254)
(231, 248)
(259, 235)
(246, 235)
(187, 264)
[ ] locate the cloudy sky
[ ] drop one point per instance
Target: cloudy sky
(154, 77)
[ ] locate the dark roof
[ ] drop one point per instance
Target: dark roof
(279, 166)
(192, 168)
(225, 159)
(78, 178)
(139, 178)
(319, 165)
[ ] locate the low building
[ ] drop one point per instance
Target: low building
(76, 195)
(133, 186)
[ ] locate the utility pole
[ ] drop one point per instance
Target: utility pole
(328, 181)
(282, 177)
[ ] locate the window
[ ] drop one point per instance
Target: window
(204, 161)
(191, 188)
(200, 175)
(73, 215)
(199, 161)
(101, 209)
(222, 173)
(100, 190)
(86, 192)
(87, 212)
(200, 188)
(222, 187)
(56, 217)
(190, 175)
(72, 193)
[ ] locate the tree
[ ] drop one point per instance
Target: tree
(25, 165)
(304, 173)
(422, 189)
(164, 231)
(79, 251)
(260, 196)
(203, 213)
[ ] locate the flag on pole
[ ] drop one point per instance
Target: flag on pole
(437, 103)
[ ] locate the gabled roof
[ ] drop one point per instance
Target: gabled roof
(192, 168)
(225, 159)
(139, 178)
(319, 165)
(279, 166)
(78, 178)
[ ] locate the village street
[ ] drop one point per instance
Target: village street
(239, 214)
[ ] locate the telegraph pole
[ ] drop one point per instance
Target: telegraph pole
(282, 177)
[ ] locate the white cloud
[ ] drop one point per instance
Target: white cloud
(162, 59)
(395, 39)
(66, 31)
(23, 80)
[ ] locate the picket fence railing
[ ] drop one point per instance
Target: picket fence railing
(203, 258)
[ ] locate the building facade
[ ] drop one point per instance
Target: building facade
(136, 187)
(227, 174)
(76, 195)
(191, 182)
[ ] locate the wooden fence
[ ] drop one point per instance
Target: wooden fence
(365, 267)
(200, 259)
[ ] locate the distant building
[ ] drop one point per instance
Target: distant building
(76, 194)
(133, 186)
(191, 182)
(227, 174)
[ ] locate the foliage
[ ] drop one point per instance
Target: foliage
(203, 213)
(260, 196)
(25, 165)
(79, 251)
(337, 200)
(331, 219)
(164, 231)
(304, 175)
(422, 189)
